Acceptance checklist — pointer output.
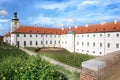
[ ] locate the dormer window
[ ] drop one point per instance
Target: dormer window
(30, 31)
(114, 28)
(96, 29)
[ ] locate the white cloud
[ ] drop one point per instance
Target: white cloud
(60, 6)
(88, 2)
(4, 20)
(3, 12)
(42, 20)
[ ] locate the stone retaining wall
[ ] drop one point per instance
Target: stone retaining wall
(100, 68)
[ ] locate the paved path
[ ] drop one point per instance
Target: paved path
(52, 61)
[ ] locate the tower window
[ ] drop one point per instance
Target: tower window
(77, 43)
(15, 23)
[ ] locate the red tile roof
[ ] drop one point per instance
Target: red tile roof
(95, 28)
(38, 30)
(106, 27)
(8, 34)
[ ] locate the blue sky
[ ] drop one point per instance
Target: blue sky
(58, 13)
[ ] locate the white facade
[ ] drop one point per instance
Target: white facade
(36, 40)
(92, 43)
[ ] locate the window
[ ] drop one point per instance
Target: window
(117, 35)
(87, 35)
(108, 45)
(15, 23)
(24, 43)
(100, 44)
(65, 42)
(54, 42)
(59, 42)
(24, 35)
(82, 35)
(100, 35)
(41, 35)
(50, 42)
(62, 42)
(94, 44)
(46, 35)
(77, 43)
(36, 35)
(93, 35)
(17, 35)
(36, 43)
(46, 42)
(41, 42)
(82, 43)
(77, 35)
(50, 35)
(100, 53)
(87, 43)
(108, 35)
(30, 35)
(93, 51)
(30, 42)
(87, 50)
(117, 45)
(55, 36)
(18, 43)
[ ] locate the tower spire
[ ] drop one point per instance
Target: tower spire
(15, 16)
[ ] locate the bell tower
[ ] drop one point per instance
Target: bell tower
(14, 22)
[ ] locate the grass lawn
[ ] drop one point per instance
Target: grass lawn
(17, 65)
(64, 56)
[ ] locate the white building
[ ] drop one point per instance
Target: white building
(97, 39)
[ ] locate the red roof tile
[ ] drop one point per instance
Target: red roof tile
(8, 34)
(106, 27)
(38, 30)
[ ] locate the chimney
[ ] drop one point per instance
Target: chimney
(86, 25)
(69, 28)
(115, 21)
(62, 28)
(35, 25)
(75, 26)
(102, 23)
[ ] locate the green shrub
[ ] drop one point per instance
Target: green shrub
(17, 65)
